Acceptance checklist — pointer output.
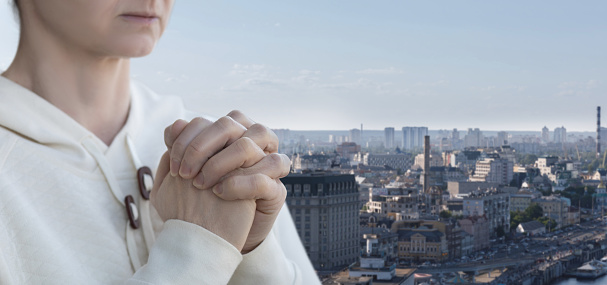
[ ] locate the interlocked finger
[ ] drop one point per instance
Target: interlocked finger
(265, 138)
(241, 118)
(207, 143)
(184, 140)
(241, 154)
(256, 186)
(275, 165)
(172, 132)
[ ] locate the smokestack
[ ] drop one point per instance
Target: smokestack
(426, 162)
(361, 134)
(598, 132)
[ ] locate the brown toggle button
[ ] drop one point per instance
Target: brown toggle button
(131, 211)
(143, 189)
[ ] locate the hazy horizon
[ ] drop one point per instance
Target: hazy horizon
(319, 65)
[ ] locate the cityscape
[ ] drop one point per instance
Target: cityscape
(410, 205)
(365, 97)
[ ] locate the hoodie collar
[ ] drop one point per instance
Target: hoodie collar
(32, 117)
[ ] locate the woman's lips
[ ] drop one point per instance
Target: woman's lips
(140, 19)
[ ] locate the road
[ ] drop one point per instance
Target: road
(556, 245)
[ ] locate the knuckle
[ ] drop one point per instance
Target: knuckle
(194, 147)
(246, 145)
(269, 136)
(229, 184)
(225, 123)
(259, 128)
(260, 183)
(198, 120)
(275, 160)
(272, 146)
(286, 165)
(236, 113)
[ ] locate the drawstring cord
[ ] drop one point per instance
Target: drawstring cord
(144, 177)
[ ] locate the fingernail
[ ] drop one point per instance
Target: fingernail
(198, 181)
(217, 189)
(184, 171)
(174, 167)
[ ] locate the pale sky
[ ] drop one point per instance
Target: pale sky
(329, 65)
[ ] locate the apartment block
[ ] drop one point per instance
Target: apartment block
(325, 207)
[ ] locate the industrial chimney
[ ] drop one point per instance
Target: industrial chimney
(426, 162)
(598, 131)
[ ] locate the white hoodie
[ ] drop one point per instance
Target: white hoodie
(62, 212)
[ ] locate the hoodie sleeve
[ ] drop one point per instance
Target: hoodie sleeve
(186, 253)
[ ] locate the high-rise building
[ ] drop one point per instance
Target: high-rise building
(474, 138)
(355, 136)
(493, 170)
(324, 207)
(502, 139)
(493, 204)
(560, 135)
(545, 135)
(413, 137)
(389, 138)
(455, 135)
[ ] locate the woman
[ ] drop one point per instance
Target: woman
(76, 136)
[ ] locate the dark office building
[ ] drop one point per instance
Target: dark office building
(325, 207)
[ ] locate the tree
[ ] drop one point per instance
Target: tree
(549, 223)
(533, 212)
(527, 159)
(445, 214)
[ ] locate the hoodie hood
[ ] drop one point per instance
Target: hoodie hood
(37, 120)
(51, 135)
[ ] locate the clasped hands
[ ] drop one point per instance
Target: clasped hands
(223, 176)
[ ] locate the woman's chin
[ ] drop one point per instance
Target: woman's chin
(133, 48)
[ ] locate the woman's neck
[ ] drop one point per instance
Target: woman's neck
(93, 90)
